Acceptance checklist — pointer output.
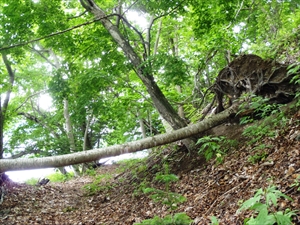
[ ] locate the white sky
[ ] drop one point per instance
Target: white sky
(23, 175)
(137, 18)
(45, 102)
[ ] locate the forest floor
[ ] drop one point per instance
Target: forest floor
(211, 189)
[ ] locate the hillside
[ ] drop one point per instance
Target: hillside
(211, 189)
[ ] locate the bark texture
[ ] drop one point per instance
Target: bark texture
(4, 104)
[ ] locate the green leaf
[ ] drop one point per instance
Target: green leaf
(214, 220)
(283, 219)
(182, 219)
(250, 202)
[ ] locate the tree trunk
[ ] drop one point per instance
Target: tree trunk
(1, 129)
(96, 154)
(4, 105)
(142, 125)
(86, 141)
(69, 128)
(159, 100)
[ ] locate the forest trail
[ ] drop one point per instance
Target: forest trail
(210, 189)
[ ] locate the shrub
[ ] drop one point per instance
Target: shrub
(261, 203)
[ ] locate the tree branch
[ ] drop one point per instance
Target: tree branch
(26, 152)
(81, 14)
(37, 120)
(44, 57)
(28, 99)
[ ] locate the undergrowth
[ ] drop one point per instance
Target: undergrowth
(168, 198)
(101, 182)
(261, 204)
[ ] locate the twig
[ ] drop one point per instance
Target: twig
(217, 200)
(2, 194)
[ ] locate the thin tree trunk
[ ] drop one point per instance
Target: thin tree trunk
(157, 37)
(142, 125)
(180, 106)
(1, 129)
(70, 134)
(69, 128)
(4, 105)
(86, 132)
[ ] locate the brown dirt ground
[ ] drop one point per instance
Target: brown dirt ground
(210, 189)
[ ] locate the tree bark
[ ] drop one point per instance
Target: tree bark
(142, 125)
(69, 128)
(4, 105)
(96, 154)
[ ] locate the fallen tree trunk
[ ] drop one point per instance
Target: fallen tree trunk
(96, 154)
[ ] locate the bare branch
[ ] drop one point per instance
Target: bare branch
(130, 7)
(26, 152)
(81, 14)
(37, 120)
(29, 97)
(44, 57)
(135, 29)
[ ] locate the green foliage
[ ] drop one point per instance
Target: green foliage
(261, 203)
(32, 181)
(100, 183)
(260, 106)
(260, 153)
(270, 113)
(295, 69)
(170, 199)
(140, 187)
(214, 220)
(159, 7)
(258, 131)
(85, 66)
(257, 157)
(214, 14)
(166, 197)
(90, 172)
(176, 219)
(69, 209)
(266, 127)
(212, 146)
(171, 69)
(296, 183)
(59, 177)
(134, 165)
